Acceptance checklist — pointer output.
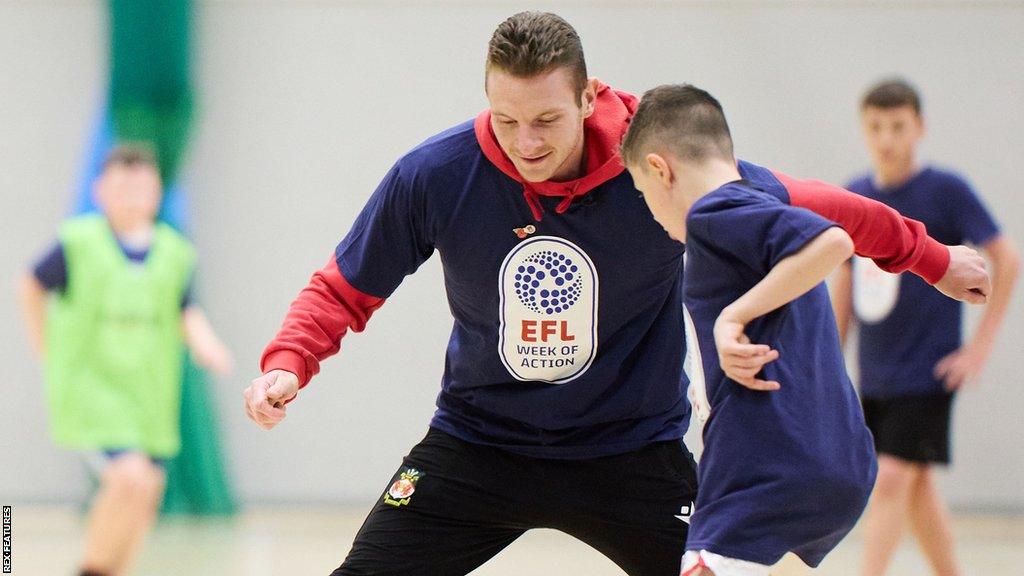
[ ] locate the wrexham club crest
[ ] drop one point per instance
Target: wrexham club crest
(401, 490)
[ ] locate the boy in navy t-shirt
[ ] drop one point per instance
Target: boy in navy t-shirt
(912, 357)
(788, 462)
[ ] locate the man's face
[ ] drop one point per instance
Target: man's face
(129, 195)
(539, 122)
(892, 135)
(657, 195)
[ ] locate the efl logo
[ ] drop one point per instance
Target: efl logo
(548, 299)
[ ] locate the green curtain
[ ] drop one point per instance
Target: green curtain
(196, 482)
(151, 100)
(150, 81)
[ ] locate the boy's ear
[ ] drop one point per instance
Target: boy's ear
(661, 168)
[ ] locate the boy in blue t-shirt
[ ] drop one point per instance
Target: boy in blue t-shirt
(788, 462)
(912, 358)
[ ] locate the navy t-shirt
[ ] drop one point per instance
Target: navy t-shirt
(789, 470)
(906, 326)
(566, 343)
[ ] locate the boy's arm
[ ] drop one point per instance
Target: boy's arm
(206, 347)
(33, 307)
(895, 243)
(962, 365)
(789, 279)
(49, 273)
(842, 299)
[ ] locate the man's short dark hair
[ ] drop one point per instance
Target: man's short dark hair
(680, 119)
(532, 43)
(131, 155)
(892, 93)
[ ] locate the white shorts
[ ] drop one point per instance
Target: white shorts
(720, 565)
(96, 461)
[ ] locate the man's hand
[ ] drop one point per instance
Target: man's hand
(960, 367)
(265, 397)
(966, 278)
(741, 360)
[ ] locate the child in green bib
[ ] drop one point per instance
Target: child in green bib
(113, 336)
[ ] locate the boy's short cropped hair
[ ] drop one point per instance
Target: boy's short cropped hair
(892, 93)
(131, 155)
(680, 119)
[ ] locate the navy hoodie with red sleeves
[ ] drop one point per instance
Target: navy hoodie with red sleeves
(568, 334)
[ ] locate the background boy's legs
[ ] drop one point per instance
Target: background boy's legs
(911, 436)
(929, 519)
(122, 513)
(883, 522)
(907, 490)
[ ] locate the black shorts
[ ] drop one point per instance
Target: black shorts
(912, 428)
(453, 505)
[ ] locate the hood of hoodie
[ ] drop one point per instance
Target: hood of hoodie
(603, 133)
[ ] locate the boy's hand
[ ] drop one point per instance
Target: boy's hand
(740, 360)
(966, 278)
(213, 356)
(960, 367)
(266, 396)
(206, 348)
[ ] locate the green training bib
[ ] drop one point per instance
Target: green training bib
(114, 341)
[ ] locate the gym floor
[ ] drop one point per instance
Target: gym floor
(266, 541)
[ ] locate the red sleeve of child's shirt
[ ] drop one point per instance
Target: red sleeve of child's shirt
(894, 242)
(326, 309)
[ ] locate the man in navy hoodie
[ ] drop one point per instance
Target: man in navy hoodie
(564, 373)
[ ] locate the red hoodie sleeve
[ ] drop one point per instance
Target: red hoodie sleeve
(318, 319)
(895, 243)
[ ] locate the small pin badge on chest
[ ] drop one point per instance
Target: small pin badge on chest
(524, 231)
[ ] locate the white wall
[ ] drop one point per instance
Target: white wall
(306, 103)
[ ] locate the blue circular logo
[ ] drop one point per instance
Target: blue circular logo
(548, 282)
